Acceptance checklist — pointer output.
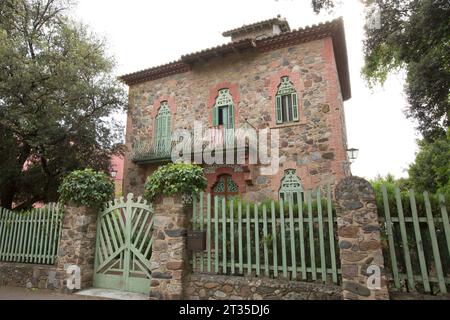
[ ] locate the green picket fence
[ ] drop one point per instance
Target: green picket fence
(417, 244)
(30, 237)
(278, 240)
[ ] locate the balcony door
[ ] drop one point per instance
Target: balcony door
(163, 134)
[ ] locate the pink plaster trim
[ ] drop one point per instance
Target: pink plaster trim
(238, 178)
(172, 106)
(157, 104)
(214, 92)
(336, 110)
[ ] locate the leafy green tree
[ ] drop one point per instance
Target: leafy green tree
(57, 93)
(415, 36)
(431, 170)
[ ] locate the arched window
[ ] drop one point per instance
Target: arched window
(286, 102)
(163, 129)
(291, 187)
(223, 111)
(225, 187)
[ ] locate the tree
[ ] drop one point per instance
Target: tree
(57, 93)
(414, 35)
(431, 170)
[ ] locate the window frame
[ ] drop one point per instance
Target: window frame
(286, 103)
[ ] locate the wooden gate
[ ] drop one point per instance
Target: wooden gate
(124, 246)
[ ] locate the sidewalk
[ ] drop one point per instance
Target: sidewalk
(13, 293)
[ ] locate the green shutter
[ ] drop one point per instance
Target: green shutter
(295, 106)
(230, 124)
(278, 110)
(215, 116)
(163, 130)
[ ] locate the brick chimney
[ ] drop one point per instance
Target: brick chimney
(259, 30)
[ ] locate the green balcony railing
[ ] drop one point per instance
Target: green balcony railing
(161, 151)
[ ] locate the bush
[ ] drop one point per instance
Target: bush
(86, 188)
(175, 179)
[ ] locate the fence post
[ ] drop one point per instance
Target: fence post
(359, 241)
(77, 247)
(169, 260)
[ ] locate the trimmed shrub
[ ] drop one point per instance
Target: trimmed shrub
(86, 188)
(174, 179)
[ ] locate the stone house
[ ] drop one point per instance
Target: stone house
(269, 77)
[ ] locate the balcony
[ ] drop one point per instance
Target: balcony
(219, 139)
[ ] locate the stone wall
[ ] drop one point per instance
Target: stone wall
(315, 146)
(169, 261)
(214, 287)
(77, 245)
(28, 275)
(359, 239)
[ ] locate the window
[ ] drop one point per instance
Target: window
(286, 102)
(223, 111)
(163, 130)
(225, 188)
(291, 187)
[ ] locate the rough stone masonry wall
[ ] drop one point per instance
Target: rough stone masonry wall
(359, 239)
(77, 245)
(315, 146)
(169, 259)
(213, 287)
(28, 275)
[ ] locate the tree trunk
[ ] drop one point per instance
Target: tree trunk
(7, 196)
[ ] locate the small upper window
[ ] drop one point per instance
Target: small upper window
(286, 102)
(223, 111)
(291, 187)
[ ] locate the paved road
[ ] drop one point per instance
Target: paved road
(12, 293)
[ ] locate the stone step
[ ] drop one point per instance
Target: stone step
(108, 294)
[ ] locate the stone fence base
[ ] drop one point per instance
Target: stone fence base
(28, 276)
(213, 287)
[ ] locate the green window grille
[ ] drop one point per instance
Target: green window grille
(232, 187)
(291, 187)
(225, 188)
(163, 130)
(220, 186)
(286, 102)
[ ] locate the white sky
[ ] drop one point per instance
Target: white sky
(144, 33)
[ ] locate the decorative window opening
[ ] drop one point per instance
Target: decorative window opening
(291, 187)
(286, 102)
(225, 188)
(163, 135)
(223, 111)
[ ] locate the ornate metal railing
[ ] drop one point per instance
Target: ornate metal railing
(158, 151)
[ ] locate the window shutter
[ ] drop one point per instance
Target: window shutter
(167, 135)
(278, 110)
(230, 117)
(295, 107)
(215, 116)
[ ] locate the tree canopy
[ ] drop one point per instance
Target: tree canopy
(413, 35)
(57, 94)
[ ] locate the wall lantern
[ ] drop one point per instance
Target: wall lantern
(113, 174)
(353, 154)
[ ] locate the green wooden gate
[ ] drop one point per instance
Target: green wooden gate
(124, 246)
